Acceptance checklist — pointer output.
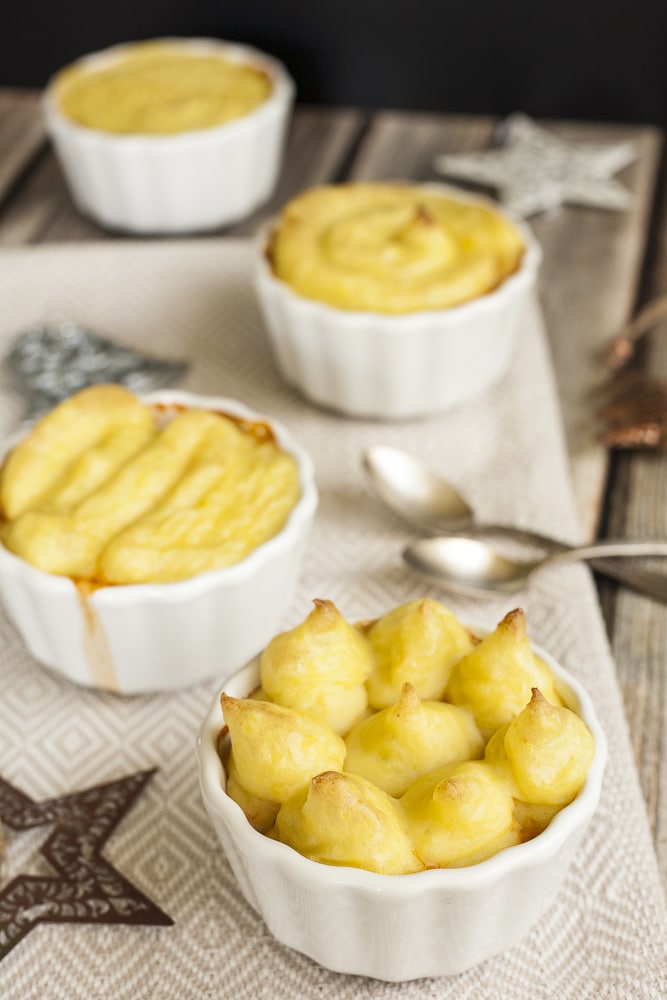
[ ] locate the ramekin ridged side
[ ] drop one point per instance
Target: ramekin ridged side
(155, 637)
(186, 182)
(386, 367)
(397, 927)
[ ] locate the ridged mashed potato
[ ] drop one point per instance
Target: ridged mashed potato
(391, 247)
(160, 88)
(108, 490)
(421, 783)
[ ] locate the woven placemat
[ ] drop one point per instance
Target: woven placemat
(606, 935)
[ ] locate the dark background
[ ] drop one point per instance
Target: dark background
(586, 60)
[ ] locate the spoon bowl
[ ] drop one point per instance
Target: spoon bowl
(473, 567)
(427, 502)
(414, 492)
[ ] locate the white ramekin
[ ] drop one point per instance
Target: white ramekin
(156, 637)
(371, 365)
(186, 182)
(397, 927)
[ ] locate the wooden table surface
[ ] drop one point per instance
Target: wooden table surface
(599, 268)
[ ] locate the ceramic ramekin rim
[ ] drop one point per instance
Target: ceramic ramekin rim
(277, 102)
(146, 593)
(567, 822)
(399, 324)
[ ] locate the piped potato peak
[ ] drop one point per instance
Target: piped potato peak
(404, 742)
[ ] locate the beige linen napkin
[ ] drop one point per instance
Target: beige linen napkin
(606, 935)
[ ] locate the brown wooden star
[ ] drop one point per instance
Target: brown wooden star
(86, 888)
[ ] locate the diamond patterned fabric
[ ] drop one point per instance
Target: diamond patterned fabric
(606, 935)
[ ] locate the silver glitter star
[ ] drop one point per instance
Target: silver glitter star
(534, 170)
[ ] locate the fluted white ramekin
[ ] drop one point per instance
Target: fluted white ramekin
(186, 182)
(156, 637)
(397, 927)
(377, 366)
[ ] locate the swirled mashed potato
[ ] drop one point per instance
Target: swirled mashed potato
(160, 88)
(425, 782)
(391, 248)
(109, 490)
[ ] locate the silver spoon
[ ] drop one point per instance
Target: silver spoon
(471, 566)
(427, 502)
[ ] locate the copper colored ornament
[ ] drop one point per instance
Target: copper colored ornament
(634, 414)
(622, 348)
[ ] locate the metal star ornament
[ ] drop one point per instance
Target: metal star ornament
(534, 170)
(50, 361)
(85, 887)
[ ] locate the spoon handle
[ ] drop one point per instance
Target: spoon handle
(612, 547)
(652, 583)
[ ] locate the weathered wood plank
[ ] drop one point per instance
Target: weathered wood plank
(22, 135)
(41, 208)
(638, 626)
(43, 211)
(592, 263)
(403, 145)
(588, 288)
(639, 645)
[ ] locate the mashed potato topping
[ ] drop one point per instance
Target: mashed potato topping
(391, 247)
(158, 88)
(107, 489)
(422, 783)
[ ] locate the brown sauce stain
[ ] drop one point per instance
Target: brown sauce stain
(256, 428)
(95, 642)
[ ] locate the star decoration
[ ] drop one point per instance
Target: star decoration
(534, 170)
(50, 361)
(86, 888)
